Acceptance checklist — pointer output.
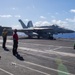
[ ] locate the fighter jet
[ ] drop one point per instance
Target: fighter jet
(42, 31)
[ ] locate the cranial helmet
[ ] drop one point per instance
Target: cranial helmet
(15, 30)
(4, 29)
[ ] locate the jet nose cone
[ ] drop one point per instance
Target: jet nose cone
(71, 31)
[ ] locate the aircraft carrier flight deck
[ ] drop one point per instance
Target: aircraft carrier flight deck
(38, 57)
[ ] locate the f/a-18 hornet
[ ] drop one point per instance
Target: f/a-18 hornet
(42, 31)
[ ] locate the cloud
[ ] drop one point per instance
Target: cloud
(56, 13)
(54, 21)
(5, 16)
(26, 20)
(70, 23)
(14, 8)
(52, 16)
(9, 16)
(60, 23)
(33, 6)
(17, 16)
(72, 10)
(16, 26)
(42, 23)
(48, 13)
(65, 12)
(30, 7)
(42, 17)
(70, 20)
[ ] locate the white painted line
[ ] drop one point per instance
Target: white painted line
(7, 40)
(56, 48)
(61, 53)
(47, 57)
(38, 44)
(31, 68)
(6, 71)
(45, 45)
(48, 68)
(47, 51)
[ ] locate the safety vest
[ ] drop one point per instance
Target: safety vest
(4, 34)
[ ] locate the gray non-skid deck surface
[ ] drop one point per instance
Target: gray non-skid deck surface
(41, 57)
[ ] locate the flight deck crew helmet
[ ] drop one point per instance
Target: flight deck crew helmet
(4, 33)
(4, 29)
(15, 30)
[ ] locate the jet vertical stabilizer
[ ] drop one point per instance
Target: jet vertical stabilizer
(30, 24)
(23, 25)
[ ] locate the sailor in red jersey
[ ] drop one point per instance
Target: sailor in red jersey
(15, 42)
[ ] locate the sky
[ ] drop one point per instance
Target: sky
(40, 12)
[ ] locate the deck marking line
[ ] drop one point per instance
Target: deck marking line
(31, 69)
(6, 71)
(47, 68)
(47, 51)
(46, 57)
(38, 44)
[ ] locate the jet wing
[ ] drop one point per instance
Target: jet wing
(33, 29)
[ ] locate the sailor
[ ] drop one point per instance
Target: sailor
(4, 35)
(15, 42)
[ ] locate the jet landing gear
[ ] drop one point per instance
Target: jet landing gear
(51, 37)
(30, 37)
(38, 36)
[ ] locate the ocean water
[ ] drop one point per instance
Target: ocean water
(66, 35)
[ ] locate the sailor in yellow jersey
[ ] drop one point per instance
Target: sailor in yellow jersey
(4, 35)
